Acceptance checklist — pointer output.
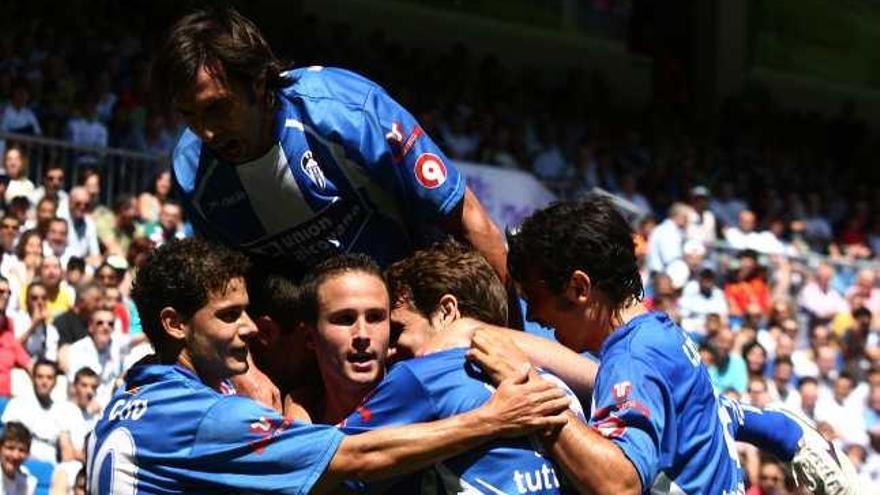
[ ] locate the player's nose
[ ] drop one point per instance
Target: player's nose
(247, 329)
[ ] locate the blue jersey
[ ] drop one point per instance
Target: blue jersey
(350, 171)
(169, 433)
(441, 385)
(653, 398)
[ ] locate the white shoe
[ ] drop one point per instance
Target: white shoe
(818, 465)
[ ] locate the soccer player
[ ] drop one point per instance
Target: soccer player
(171, 430)
(296, 166)
(656, 423)
(346, 303)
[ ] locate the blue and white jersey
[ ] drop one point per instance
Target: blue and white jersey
(169, 433)
(351, 171)
(441, 385)
(653, 398)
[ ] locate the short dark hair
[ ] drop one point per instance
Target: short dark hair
(122, 202)
(327, 269)
(53, 166)
(589, 235)
(213, 36)
(14, 431)
(84, 372)
(276, 296)
(182, 274)
(806, 380)
(449, 268)
(861, 311)
(76, 263)
(46, 362)
(783, 360)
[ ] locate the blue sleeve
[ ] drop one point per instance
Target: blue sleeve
(399, 400)
(242, 444)
(631, 404)
(771, 430)
(394, 148)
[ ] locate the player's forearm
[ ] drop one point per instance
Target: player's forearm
(389, 452)
(578, 372)
(592, 462)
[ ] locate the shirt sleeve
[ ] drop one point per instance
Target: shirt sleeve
(22, 359)
(395, 149)
(630, 409)
(242, 444)
(399, 400)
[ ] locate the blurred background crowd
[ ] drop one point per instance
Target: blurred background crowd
(757, 225)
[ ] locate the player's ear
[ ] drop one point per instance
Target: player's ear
(579, 287)
(173, 324)
(447, 309)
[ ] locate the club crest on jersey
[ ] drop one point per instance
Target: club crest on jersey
(621, 391)
(430, 170)
(313, 170)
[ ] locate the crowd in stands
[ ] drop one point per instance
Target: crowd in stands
(776, 186)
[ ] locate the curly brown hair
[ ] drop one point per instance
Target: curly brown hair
(449, 268)
(182, 275)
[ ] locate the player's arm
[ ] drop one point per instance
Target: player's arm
(520, 405)
(470, 222)
(512, 346)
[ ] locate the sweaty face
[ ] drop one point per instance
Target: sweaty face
(410, 330)
(224, 116)
(352, 331)
(218, 333)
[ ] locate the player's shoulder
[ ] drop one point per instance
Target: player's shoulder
(185, 163)
(319, 85)
(652, 339)
(432, 366)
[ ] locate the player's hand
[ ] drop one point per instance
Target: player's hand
(524, 404)
(496, 353)
(255, 385)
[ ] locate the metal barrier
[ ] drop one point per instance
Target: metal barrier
(122, 171)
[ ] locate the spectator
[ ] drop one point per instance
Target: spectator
(117, 235)
(729, 370)
(86, 129)
(549, 162)
(727, 206)
(15, 448)
(12, 354)
(864, 288)
(83, 236)
(872, 412)
(699, 299)
(151, 200)
(83, 412)
(57, 236)
(16, 164)
(72, 325)
(745, 236)
(819, 299)
(9, 226)
(100, 351)
(168, 228)
(60, 295)
(18, 117)
(667, 239)
(781, 388)
(844, 415)
(75, 272)
(44, 417)
(53, 187)
(629, 192)
(29, 252)
(749, 286)
(37, 335)
(756, 359)
(771, 480)
(808, 390)
(859, 343)
(701, 225)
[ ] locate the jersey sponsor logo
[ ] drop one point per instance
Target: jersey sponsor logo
(430, 170)
(311, 168)
(621, 391)
(267, 429)
(402, 146)
(539, 480)
(225, 202)
(128, 409)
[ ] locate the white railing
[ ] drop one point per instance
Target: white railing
(122, 171)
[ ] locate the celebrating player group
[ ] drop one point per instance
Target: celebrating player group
(345, 319)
